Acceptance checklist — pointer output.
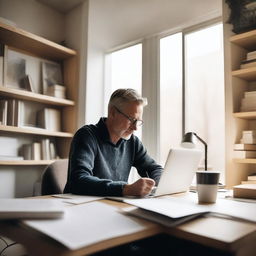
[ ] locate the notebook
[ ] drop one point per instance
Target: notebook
(22, 208)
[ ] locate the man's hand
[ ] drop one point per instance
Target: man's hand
(141, 187)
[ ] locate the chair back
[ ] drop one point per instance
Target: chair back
(54, 177)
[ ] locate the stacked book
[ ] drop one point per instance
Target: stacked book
(245, 150)
(251, 179)
(250, 60)
(248, 137)
(248, 102)
(43, 150)
(247, 189)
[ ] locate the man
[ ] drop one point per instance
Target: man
(102, 155)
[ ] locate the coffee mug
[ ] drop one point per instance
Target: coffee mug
(207, 186)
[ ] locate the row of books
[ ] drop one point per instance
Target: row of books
(43, 150)
(11, 112)
(247, 189)
(248, 102)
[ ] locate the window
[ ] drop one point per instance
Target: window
(204, 91)
(124, 70)
(198, 85)
(170, 94)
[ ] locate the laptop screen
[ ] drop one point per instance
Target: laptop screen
(179, 170)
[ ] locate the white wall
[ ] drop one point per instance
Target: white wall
(113, 23)
(34, 17)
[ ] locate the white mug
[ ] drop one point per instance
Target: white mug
(207, 186)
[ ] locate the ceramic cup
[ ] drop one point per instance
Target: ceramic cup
(207, 186)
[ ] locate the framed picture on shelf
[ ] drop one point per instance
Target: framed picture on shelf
(14, 69)
(51, 75)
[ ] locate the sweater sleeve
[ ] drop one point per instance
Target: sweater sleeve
(81, 178)
(145, 164)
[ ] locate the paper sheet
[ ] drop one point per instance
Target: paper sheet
(181, 207)
(170, 207)
(87, 224)
(76, 199)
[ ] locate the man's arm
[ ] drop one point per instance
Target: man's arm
(146, 165)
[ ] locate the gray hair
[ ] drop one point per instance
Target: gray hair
(121, 96)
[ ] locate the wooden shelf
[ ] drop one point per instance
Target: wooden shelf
(248, 74)
(18, 38)
(36, 131)
(26, 95)
(245, 161)
(26, 162)
(246, 40)
(245, 115)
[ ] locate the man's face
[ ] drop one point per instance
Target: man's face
(123, 126)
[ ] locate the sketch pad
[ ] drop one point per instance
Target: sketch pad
(20, 208)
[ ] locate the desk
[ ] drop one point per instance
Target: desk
(233, 237)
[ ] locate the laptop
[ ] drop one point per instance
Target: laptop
(179, 170)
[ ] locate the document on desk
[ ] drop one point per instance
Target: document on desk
(178, 208)
(87, 224)
(171, 207)
(76, 199)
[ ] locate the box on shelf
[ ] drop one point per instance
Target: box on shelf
(58, 91)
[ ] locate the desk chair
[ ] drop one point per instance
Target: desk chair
(54, 177)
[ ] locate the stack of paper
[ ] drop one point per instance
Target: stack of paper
(19, 208)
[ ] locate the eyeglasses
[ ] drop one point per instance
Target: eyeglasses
(133, 121)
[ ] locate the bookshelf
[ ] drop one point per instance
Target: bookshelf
(41, 48)
(241, 79)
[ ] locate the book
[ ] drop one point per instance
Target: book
(253, 132)
(244, 146)
(20, 208)
(50, 119)
(252, 176)
(53, 154)
(3, 111)
(45, 149)
(58, 91)
(248, 182)
(244, 154)
(19, 113)
(248, 64)
(248, 141)
(36, 151)
(27, 83)
(250, 94)
(26, 151)
(11, 112)
(245, 191)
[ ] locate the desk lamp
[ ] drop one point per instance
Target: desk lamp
(188, 141)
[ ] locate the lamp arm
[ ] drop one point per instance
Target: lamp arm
(205, 150)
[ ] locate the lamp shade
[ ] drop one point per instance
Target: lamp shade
(188, 140)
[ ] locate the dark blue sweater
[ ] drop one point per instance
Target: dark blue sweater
(99, 167)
